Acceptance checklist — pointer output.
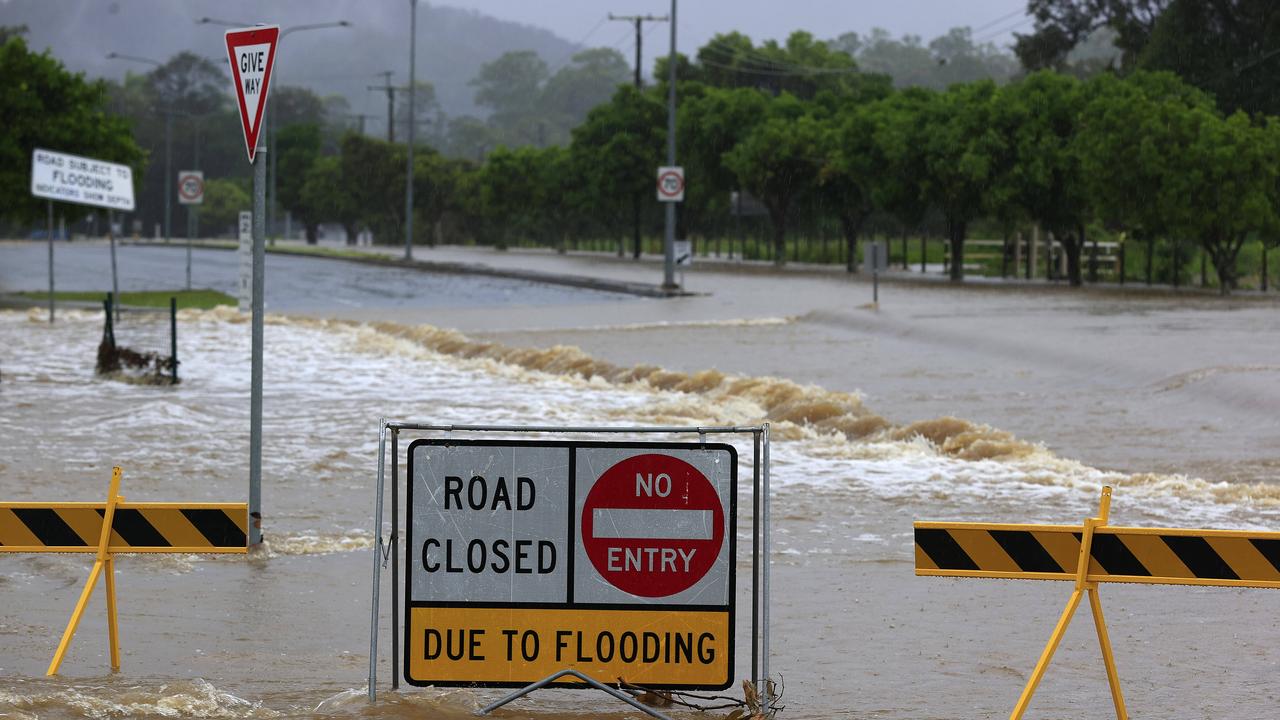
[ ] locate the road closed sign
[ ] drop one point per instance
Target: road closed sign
(526, 558)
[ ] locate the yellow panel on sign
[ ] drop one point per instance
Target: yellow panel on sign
(518, 646)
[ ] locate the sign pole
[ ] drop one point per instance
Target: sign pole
(669, 236)
(255, 392)
(875, 273)
(189, 232)
(115, 283)
(50, 238)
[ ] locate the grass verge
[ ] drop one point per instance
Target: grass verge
(200, 299)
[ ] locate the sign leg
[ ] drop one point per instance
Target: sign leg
(1046, 656)
(1108, 659)
(49, 237)
(113, 628)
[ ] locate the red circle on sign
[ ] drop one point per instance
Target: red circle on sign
(639, 546)
(678, 185)
(190, 186)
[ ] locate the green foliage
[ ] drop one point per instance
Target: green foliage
(42, 105)
(223, 200)
(198, 299)
(945, 61)
(1040, 177)
(778, 160)
(963, 153)
(298, 147)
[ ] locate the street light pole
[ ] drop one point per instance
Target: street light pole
(408, 180)
(669, 236)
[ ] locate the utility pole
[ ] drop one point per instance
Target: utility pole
(359, 117)
(638, 21)
(391, 103)
(669, 236)
(408, 178)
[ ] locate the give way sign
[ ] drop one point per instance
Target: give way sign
(252, 53)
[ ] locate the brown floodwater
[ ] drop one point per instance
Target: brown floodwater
(942, 404)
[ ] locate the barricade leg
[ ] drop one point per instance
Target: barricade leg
(113, 628)
(103, 559)
(1046, 656)
(74, 622)
(1108, 659)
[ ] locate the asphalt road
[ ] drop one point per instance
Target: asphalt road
(293, 283)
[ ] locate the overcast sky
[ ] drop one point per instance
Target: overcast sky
(585, 20)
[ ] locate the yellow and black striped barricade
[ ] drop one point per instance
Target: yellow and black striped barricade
(113, 527)
(1094, 553)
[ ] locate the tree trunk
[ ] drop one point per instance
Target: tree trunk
(313, 233)
(956, 229)
(1224, 253)
(778, 217)
(1072, 245)
(635, 228)
(849, 227)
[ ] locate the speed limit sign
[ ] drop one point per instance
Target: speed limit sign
(671, 184)
(191, 187)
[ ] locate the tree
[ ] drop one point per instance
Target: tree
(614, 154)
(189, 84)
(802, 66)
(1041, 174)
(710, 123)
(511, 88)
(776, 163)
(372, 175)
(224, 199)
(435, 184)
(298, 146)
(426, 113)
(1222, 183)
(898, 150)
(852, 168)
(43, 105)
(1123, 151)
(961, 152)
(326, 195)
(590, 79)
(1062, 25)
(1224, 48)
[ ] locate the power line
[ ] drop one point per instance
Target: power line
(768, 65)
(993, 34)
(998, 20)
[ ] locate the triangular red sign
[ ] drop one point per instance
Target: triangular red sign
(252, 53)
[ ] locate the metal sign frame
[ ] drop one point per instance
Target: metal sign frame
(381, 552)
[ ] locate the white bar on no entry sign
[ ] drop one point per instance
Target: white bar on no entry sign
(635, 523)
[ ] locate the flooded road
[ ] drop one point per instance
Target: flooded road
(294, 283)
(856, 634)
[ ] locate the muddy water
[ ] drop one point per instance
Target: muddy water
(285, 634)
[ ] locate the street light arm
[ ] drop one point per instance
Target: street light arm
(223, 23)
(315, 26)
(135, 58)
